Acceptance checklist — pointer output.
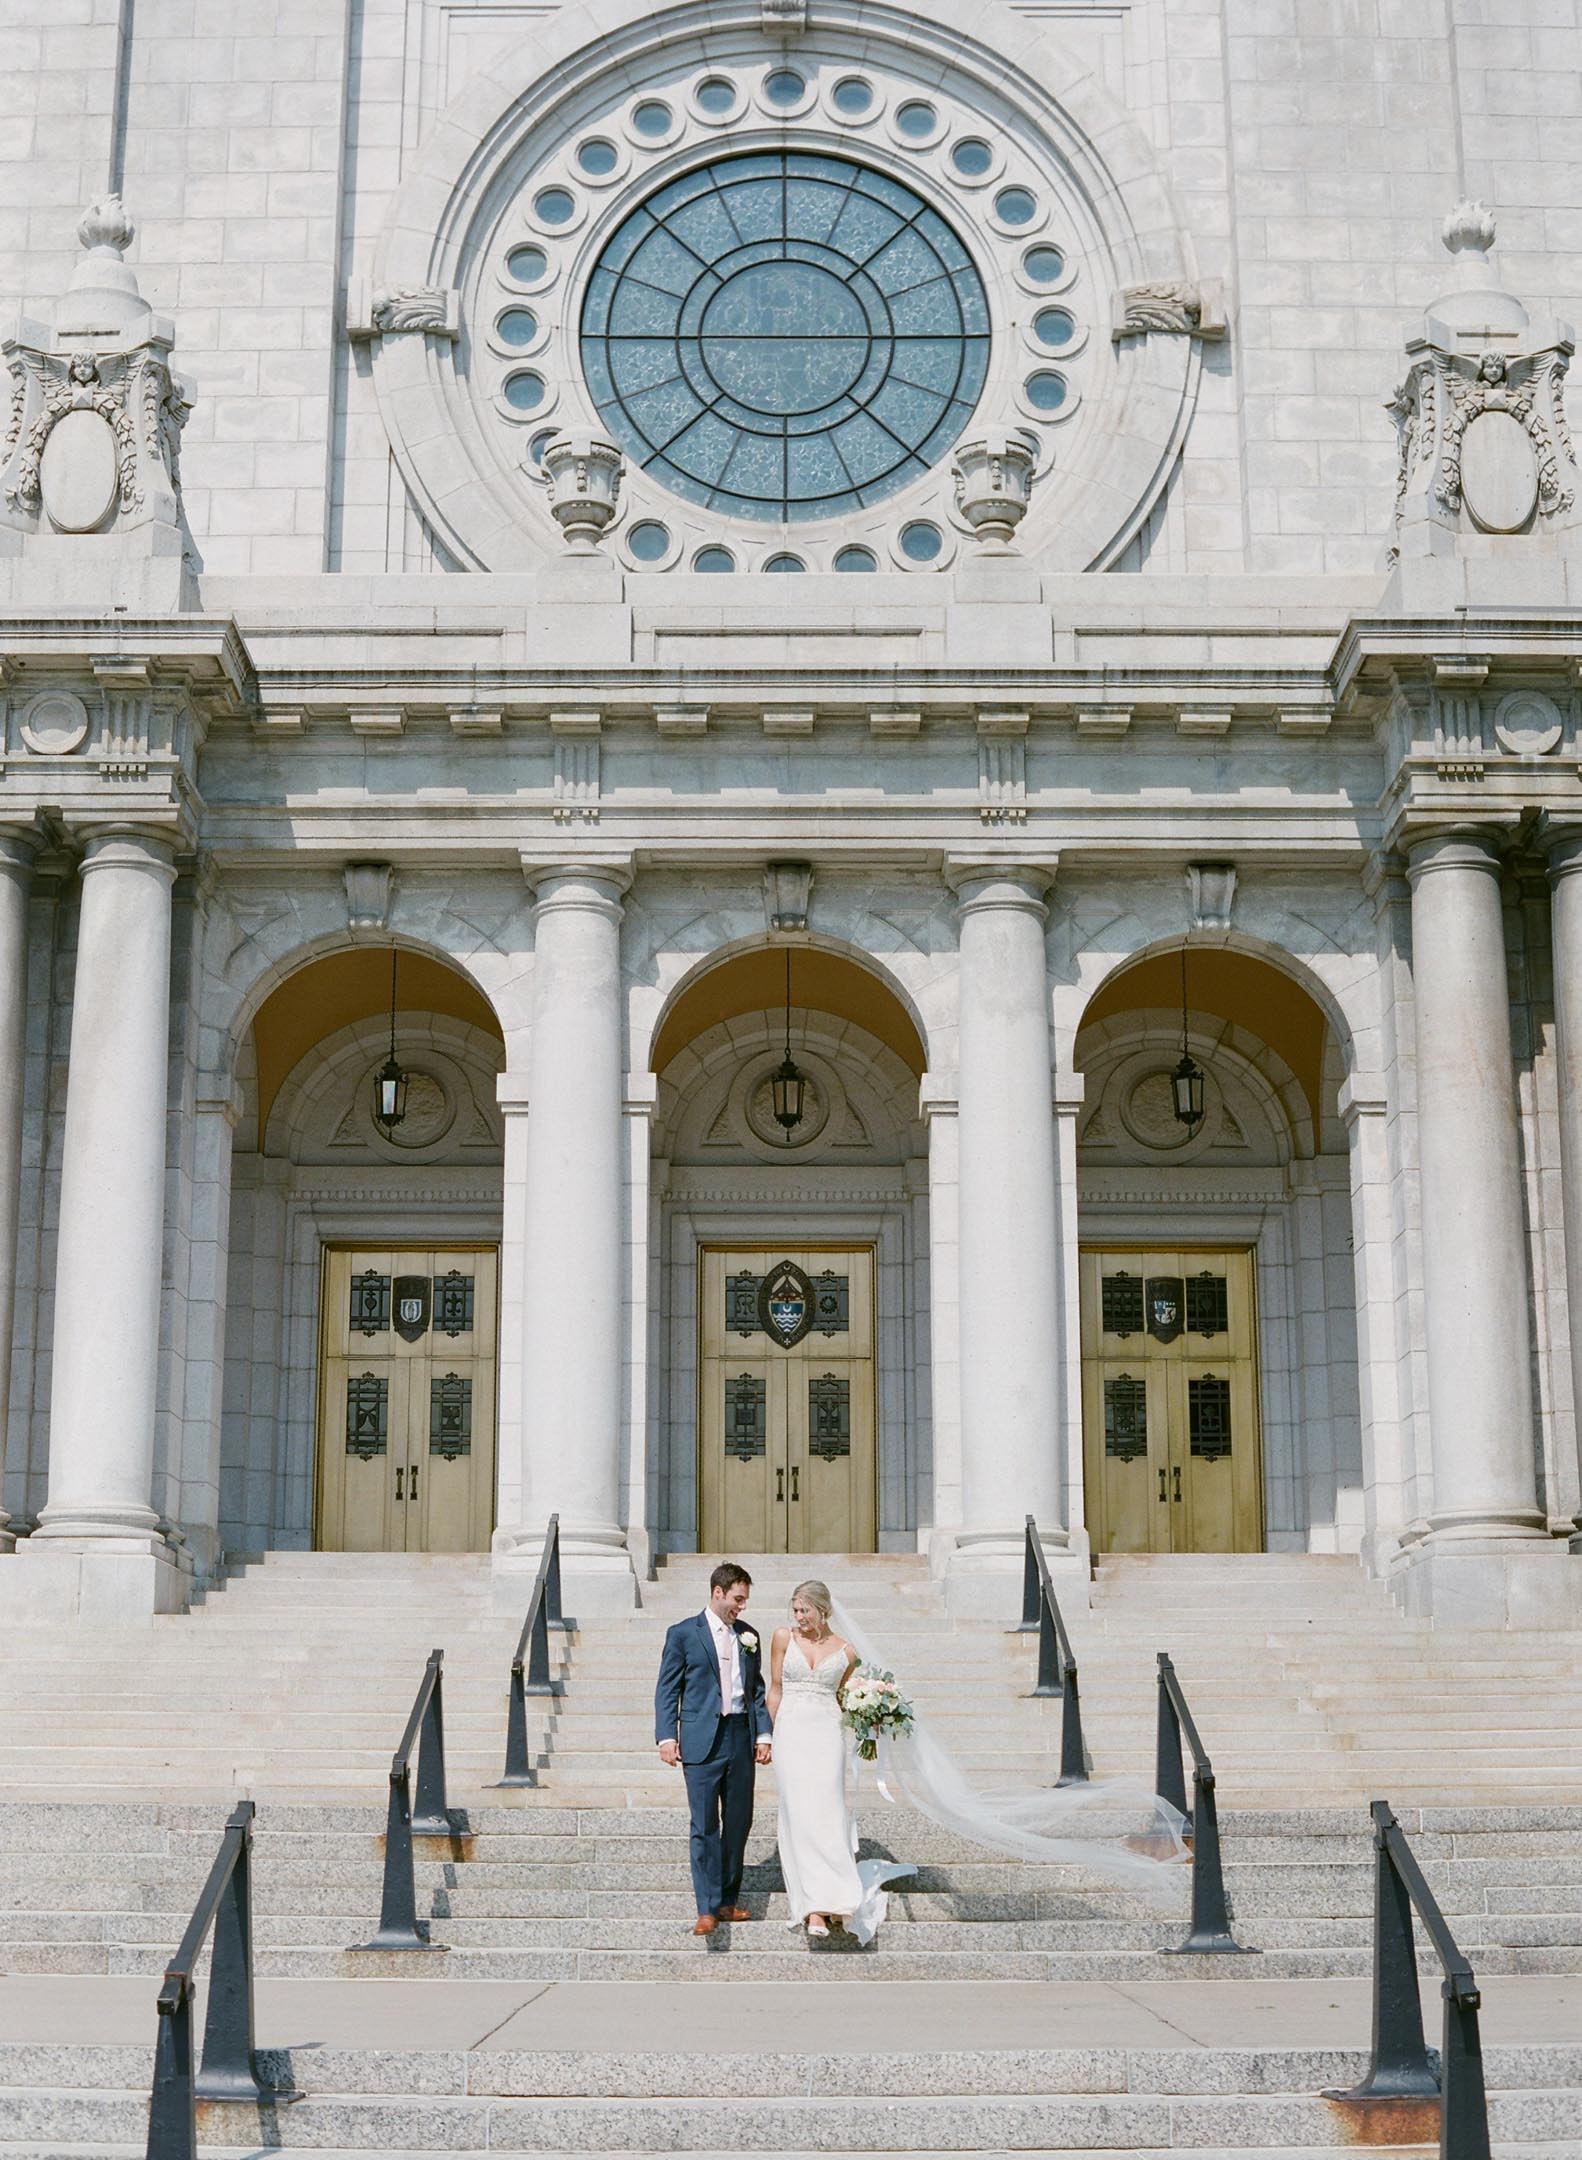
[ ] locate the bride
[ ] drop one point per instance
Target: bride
(809, 1665)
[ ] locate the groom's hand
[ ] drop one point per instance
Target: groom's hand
(763, 1752)
(670, 1753)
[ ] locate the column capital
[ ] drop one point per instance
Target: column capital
(1462, 847)
(1561, 845)
(995, 883)
(597, 887)
(18, 845)
(150, 850)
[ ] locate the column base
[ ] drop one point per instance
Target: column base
(94, 1582)
(596, 1571)
(1465, 1582)
(983, 1574)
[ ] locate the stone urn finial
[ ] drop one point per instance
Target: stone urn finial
(1469, 229)
(994, 479)
(105, 224)
(584, 475)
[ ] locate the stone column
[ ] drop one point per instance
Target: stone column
(97, 1552)
(16, 877)
(1475, 1276)
(1010, 1278)
(1565, 877)
(572, 1276)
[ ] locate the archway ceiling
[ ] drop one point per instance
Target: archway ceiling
(1231, 986)
(342, 987)
(754, 982)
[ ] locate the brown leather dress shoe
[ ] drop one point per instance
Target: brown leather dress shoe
(734, 1912)
(706, 1924)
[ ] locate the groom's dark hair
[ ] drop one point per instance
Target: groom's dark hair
(727, 1575)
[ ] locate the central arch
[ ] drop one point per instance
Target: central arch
(819, 1442)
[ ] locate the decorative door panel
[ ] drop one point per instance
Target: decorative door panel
(1170, 1401)
(786, 1377)
(407, 1400)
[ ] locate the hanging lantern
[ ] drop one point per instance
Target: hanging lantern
(1186, 1082)
(390, 1082)
(788, 1088)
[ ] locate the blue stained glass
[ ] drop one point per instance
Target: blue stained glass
(785, 335)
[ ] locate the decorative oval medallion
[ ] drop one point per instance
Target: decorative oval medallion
(54, 723)
(1528, 724)
(77, 473)
(785, 1304)
(1499, 473)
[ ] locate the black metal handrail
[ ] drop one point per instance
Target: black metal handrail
(1210, 1935)
(530, 1674)
(424, 1737)
(1057, 1661)
(1401, 2067)
(230, 2063)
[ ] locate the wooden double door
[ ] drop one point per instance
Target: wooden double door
(1171, 1438)
(407, 1399)
(786, 1383)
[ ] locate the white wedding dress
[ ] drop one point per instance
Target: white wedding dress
(818, 1833)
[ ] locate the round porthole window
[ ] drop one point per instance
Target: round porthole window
(555, 206)
(597, 158)
(713, 559)
(1015, 206)
(916, 120)
(652, 120)
(1044, 265)
(715, 96)
(1046, 391)
(784, 89)
(524, 391)
(527, 264)
(785, 562)
(517, 326)
(852, 97)
(1052, 326)
(972, 158)
(649, 541)
(921, 541)
(785, 336)
(856, 558)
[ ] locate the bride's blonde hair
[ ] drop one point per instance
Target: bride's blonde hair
(816, 1594)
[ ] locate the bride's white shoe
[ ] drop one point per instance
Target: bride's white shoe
(816, 1927)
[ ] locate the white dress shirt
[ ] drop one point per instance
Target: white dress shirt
(728, 1649)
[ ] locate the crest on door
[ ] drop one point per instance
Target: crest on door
(1166, 1307)
(410, 1297)
(785, 1304)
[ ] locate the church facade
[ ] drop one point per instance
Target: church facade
(791, 778)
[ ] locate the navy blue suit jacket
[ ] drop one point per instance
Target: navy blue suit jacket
(687, 1699)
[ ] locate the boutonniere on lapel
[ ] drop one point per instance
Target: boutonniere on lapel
(749, 1640)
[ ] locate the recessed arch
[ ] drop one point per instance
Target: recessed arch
(330, 991)
(1243, 987)
(754, 981)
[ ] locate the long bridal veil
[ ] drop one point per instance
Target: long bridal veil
(1114, 1827)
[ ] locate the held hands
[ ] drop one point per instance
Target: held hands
(670, 1753)
(763, 1752)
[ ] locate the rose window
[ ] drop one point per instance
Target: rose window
(785, 336)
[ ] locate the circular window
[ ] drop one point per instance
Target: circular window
(540, 443)
(784, 88)
(1044, 265)
(714, 558)
(785, 562)
(856, 558)
(527, 264)
(916, 120)
(716, 96)
(598, 157)
(1046, 390)
(785, 336)
(652, 120)
(649, 541)
(972, 158)
(921, 542)
(1015, 206)
(524, 391)
(1053, 327)
(852, 96)
(517, 326)
(555, 206)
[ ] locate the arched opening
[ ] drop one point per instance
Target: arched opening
(1219, 1355)
(361, 1337)
(790, 1407)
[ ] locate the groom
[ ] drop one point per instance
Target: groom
(711, 1719)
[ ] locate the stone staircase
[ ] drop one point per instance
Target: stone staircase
(119, 1757)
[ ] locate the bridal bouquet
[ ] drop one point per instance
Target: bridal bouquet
(873, 1706)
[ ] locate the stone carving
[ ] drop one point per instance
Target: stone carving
(54, 723)
(584, 475)
(782, 18)
(1213, 890)
(994, 481)
(1482, 444)
(369, 889)
(788, 893)
(1528, 724)
(94, 431)
(387, 310)
(1190, 307)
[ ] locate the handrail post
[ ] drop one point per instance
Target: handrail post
(230, 2062)
(519, 1769)
(1031, 1584)
(1399, 2067)
(430, 1818)
(1169, 1783)
(530, 1673)
(1073, 1754)
(1464, 2108)
(172, 2104)
(552, 1606)
(1048, 1682)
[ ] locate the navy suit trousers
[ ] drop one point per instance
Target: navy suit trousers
(720, 1793)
